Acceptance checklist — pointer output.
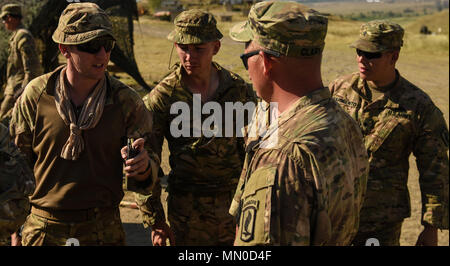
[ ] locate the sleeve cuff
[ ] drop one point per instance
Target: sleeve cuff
(144, 187)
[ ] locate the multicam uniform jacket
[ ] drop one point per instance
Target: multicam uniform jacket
(303, 182)
(205, 165)
(402, 121)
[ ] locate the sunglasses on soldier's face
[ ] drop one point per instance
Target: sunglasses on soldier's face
(246, 56)
(369, 55)
(96, 45)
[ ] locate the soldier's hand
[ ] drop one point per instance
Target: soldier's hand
(160, 233)
(138, 167)
(16, 240)
(428, 237)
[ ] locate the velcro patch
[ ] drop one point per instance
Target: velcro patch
(248, 220)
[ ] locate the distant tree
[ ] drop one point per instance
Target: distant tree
(408, 10)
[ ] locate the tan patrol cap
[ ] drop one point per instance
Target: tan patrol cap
(82, 22)
(194, 27)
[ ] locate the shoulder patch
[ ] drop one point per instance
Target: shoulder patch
(248, 222)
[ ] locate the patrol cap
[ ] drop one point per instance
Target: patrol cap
(11, 9)
(82, 22)
(379, 36)
(194, 27)
(289, 28)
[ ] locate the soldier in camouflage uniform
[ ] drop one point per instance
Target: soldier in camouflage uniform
(204, 169)
(16, 184)
(304, 179)
(397, 119)
(72, 125)
(23, 62)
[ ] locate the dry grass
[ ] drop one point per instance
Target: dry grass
(424, 61)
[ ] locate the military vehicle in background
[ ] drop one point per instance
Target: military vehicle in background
(168, 10)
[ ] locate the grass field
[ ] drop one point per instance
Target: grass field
(424, 61)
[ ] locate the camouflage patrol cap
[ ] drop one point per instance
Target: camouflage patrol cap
(378, 36)
(82, 22)
(194, 27)
(11, 9)
(289, 28)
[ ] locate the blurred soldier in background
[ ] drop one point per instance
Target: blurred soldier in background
(397, 119)
(16, 184)
(303, 182)
(205, 169)
(72, 124)
(23, 62)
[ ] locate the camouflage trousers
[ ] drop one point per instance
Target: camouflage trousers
(103, 228)
(201, 220)
(387, 234)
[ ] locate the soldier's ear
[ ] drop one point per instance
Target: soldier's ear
(267, 63)
(395, 55)
(217, 45)
(64, 50)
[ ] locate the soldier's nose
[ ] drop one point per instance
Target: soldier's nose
(102, 52)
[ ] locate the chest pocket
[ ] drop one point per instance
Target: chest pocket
(379, 134)
(256, 206)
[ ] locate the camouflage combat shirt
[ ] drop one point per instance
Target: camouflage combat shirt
(402, 121)
(307, 186)
(95, 178)
(205, 165)
(16, 184)
(23, 61)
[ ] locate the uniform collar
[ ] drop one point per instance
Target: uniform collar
(270, 137)
(55, 74)
(390, 99)
(311, 98)
(225, 80)
(14, 33)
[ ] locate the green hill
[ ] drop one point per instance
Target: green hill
(433, 22)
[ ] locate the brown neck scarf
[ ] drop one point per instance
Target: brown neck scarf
(91, 113)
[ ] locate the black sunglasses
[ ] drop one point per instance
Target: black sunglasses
(369, 55)
(96, 45)
(246, 56)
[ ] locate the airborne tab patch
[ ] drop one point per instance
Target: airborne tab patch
(248, 220)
